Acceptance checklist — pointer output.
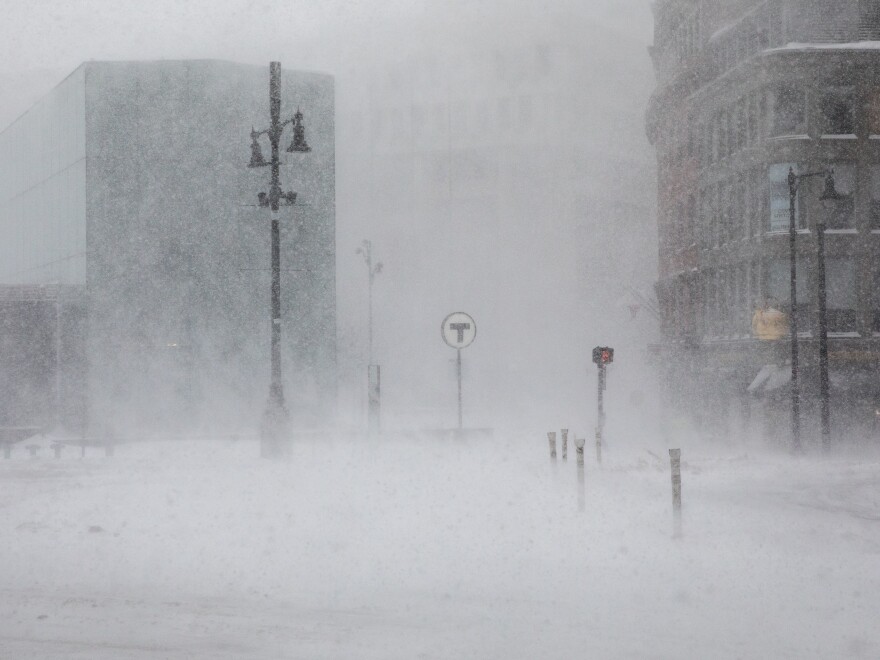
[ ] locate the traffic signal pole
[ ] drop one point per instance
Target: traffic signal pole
(602, 357)
(601, 425)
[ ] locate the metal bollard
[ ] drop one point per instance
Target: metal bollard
(579, 447)
(551, 438)
(564, 444)
(675, 461)
(599, 446)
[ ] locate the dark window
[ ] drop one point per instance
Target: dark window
(790, 111)
(869, 19)
(778, 289)
(874, 111)
(875, 196)
(840, 287)
(840, 214)
(837, 111)
(780, 198)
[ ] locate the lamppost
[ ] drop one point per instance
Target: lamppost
(828, 195)
(373, 375)
(273, 440)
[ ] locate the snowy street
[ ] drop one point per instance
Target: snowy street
(398, 549)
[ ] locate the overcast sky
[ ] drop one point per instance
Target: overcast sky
(43, 40)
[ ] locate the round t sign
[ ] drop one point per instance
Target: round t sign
(459, 330)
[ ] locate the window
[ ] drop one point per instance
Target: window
(790, 111)
(874, 111)
(840, 294)
(780, 210)
(756, 211)
(752, 119)
(840, 214)
(778, 289)
(875, 196)
(837, 111)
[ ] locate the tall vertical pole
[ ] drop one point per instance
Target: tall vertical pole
(601, 400)
(277, 391)
(275, 418)
(792, 317)
(823, 340)
(458, 371)
(58, 357)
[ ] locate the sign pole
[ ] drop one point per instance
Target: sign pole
(458, 331)
(601, 401)
(458, 370)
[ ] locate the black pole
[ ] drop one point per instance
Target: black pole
(458, 370)
(601, 401)
(825, 410)
(274, 429)
(276, 391)
(792, 317)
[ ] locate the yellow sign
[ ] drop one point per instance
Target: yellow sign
(769, 324)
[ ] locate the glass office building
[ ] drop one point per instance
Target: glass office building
(132, 240)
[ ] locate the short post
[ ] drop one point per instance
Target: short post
(579, 447)
(33, 449)
(374, 394)
(675, 461)
(564, 444)
(551, 439)
(57, 446)
(7, 450)
(599, 446)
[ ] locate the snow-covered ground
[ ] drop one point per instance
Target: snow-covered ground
(405, 549)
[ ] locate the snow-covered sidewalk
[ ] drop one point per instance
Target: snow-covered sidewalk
(406, 550)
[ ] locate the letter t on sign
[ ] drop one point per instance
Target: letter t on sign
(460, 328)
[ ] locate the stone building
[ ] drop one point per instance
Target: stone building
(134, 253)
(747, 90)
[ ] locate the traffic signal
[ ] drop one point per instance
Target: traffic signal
(603, 355)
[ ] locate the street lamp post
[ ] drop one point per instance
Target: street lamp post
(273, 436)
(828, 195)
(824, 408)
(373, 373)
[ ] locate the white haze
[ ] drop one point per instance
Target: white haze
(405, 546)
(544, 282)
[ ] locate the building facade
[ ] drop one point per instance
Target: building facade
(130, 226)
(746, 91)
